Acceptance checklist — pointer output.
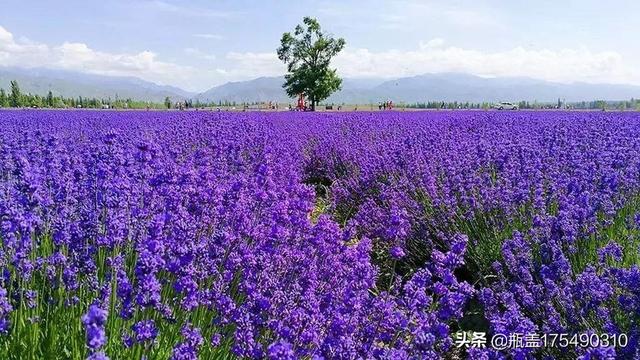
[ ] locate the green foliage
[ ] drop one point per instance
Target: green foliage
(632, 104)
(50, 99)
(52, 327)
(4, 100)
(18, 99)
(15, 99)
(619, 230)
(307, 53)
(447, 105)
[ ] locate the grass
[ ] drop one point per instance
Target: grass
(621, 231)
(53, 328)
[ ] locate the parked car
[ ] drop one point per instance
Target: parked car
(506, 106)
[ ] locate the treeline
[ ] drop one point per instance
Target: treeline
(448, 105)
(471, 105)
(633, 104)
(15, 98)
(197, 104)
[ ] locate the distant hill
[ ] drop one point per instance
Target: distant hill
(260, 89)
(270, 89)
(422, 88)
(464, 87)
(440, 87)
(74, 84)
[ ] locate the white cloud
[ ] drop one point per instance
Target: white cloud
(435, 55)
(250, 64)
(5, 36)
(80, 57)
(563, 65)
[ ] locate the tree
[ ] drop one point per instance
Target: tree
(15, 99)
(50, 99)
(167, 102)
(4, 100)
(307, 54)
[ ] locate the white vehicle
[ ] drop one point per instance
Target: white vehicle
(506, 106)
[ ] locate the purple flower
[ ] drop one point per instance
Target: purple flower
(612, 250)
(397, 252)
(602, 353)
(5, 309)
(281, 350)
(145, 331)
(215, 340)
(98, 356)
(127, 340)
(94, 316)
(188, 348)
(94, 321)
(282, 228)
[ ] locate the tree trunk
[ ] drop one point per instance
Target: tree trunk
(313, 104)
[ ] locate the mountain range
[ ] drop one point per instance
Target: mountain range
(74, 84)
(431, 87)
(422, 88)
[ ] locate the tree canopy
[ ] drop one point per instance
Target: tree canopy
(307, 53)
(15, 99)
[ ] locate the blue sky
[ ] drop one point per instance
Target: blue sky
(198, 44)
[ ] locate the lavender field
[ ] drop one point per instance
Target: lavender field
(218, 235)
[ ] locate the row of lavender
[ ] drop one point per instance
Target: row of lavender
(315, 235)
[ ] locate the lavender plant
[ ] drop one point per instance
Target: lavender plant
(327, 236)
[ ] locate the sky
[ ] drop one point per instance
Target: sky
(199, 44)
